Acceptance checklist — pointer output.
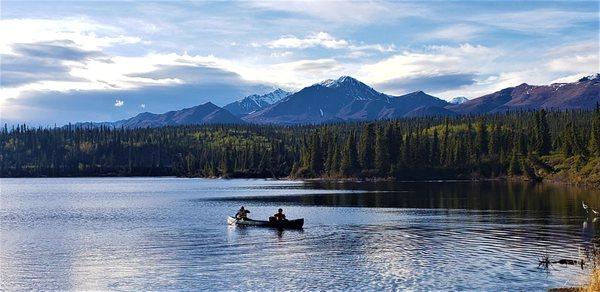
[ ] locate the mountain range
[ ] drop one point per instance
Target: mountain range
(348, 99)
(207, 113)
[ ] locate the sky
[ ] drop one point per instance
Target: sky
(73, 61)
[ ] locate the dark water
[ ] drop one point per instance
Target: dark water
(169, 233)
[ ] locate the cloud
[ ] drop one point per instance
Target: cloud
(281, 54)
(119, 103)
(48, 107)
(432, 84)
(463, 60)
(21, 70)
(84, 33)
(311, 66)
(322, 39)
(373, 47)
(124, 73)
(459, 32)
(576, 59)
(300, 73)
(59, 50)
(45, 61)
(344, 12)
(325, 40)
(143, 105)
(535, 20)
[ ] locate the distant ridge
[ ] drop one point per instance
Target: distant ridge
(348, 99)
(206, 113)
(583, 94)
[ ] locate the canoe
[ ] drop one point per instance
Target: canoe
(285, 224)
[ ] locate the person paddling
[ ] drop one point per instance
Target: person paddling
(242, 214)
(279, 215)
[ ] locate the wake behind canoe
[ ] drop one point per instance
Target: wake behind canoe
(281, 224)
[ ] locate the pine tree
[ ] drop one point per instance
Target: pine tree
(365, 147)
(382, 152)
(349, 165)
(393, 143)
(226, 164)
(514, 167)
(494, 141)
(316, 156)
(595, 132)
(482, 138)
(543, 141)
(434, 149)
(330, 157)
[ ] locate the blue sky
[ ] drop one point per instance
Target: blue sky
(96, 61)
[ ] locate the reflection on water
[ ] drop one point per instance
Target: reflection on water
(167, 233)
(499, 196)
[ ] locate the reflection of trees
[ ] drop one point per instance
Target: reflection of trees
(525, 198)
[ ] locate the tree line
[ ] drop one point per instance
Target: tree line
(410, 148)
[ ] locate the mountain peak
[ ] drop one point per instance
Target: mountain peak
(343, 80)
(593, 77)
(347, 78)
(210, 104)
(459, 100)
(352, 88)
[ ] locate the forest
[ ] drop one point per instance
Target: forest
(526, 144)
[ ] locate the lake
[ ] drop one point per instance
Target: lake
(171, 233)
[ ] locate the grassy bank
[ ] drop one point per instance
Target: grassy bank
(576, 170)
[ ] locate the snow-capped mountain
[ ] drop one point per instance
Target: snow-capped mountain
(255, 102)
(459, 100)
(343, 99)
(353, 88)
(347, 99)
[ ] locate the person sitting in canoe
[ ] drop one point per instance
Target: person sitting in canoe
(242, 214)
(279, 216)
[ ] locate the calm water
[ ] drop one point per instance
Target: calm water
(171, 233)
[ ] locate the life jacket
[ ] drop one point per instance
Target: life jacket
(242, 214)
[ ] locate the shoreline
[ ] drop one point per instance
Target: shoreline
(348, 179)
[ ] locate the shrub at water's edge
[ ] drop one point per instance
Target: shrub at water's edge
(578, 170)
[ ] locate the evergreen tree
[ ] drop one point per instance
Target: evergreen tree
(365, 147)
(595, 132)
(494, 141)
(226, 167)
(542, 133)
(382, 152)
(349, 164)
(316, 156)
(393, 143)
(482, 138)
(514, 167)
(329, 169)
(434, 149)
